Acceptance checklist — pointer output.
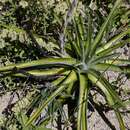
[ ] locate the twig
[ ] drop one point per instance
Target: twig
(65, 24)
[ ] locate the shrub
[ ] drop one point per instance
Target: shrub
(75, 71)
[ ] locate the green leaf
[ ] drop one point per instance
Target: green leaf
(120, 120)
(72, 43)
(41, 72)
(42, 63)
(81, 36)
(96, 80)
(13, 27)
(70, 78)
(104, 26)
(85, 105)
(77, 37)
(119, 62)
(89, 38)
(112, 48)
(101, 58)
(81, 27)
(42, 128)
(82, 111)
(111, 67)
(111, 95)
(114, 39)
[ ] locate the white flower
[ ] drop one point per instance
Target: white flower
(40, 42)
(4, 33)
(23, 3)
(93, 5)
(21, 37)
(61, 7)
(12, 35)
(3, 43)
(1, 7)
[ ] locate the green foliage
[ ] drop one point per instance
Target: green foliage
(68, 53)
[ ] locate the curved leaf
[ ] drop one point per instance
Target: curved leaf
(89, 38)
(46, 62)
(118, 62)
(101, 58)
(39, 73)
(104, 26)
(120, 120)
(111, 67)
(111, 95)
(70, 78)
(110, 49)
(114, 39)
(82, 110)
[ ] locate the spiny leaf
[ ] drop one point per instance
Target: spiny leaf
(111, 95)
(81, 120)
(41, 72)
(98, 59)
(112, 48)
(70, 78)
(103, 27)
(42, 62)
(120, 120)
(114, 39)
(111, 67)
(118, 62)
(89, 38)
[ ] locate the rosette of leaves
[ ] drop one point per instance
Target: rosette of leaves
(88, 55)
